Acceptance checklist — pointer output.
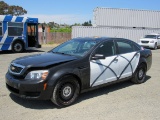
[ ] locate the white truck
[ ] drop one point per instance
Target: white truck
(150, 41)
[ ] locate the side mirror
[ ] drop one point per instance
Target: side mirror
(158, 37)
(98, 56)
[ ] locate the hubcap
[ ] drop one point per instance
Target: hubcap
(17, 47)
(141, 74)
(155, 46)
(67, 91)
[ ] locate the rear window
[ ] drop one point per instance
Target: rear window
(124, 47)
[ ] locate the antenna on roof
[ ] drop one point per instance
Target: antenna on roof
(116, 35)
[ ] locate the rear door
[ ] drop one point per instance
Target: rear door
(128, 58)
(104, 70)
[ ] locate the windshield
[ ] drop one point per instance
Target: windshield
(150, 36)
(76, 47)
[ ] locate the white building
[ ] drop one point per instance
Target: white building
(124, 23)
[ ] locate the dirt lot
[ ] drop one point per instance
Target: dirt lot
(123, 101)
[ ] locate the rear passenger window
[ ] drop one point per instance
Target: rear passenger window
(124, 47)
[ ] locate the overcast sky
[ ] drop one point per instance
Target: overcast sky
(76, 11)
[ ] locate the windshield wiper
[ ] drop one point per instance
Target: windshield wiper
(62, 53)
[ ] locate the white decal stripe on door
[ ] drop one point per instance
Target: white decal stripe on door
(128, 64)
(104, 69)
(132, 61)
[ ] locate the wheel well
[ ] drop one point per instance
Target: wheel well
(75, 76)
(79, 80)
(144, 64)
(18, 40)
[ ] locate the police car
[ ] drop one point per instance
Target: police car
(76, 66)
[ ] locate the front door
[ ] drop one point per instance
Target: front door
(104, 70)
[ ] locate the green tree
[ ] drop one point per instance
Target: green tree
(5, 9)
(16, 10)
(87, 23)
(65, 30)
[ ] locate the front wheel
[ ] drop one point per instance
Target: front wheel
(18, 47)
(140, 75)
(155, 46)
(66, 91)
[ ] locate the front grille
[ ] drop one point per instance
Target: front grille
(14, 90)
(15, 68)
(32, 94)
(26, 94)
(145, 41)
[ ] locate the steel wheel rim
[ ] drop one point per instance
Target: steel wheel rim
(17, 47)
(155, 47)
(140, 74)
(67, 91)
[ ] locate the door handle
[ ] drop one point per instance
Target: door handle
(116, 60)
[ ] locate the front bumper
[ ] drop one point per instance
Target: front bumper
(147, 45)
(28, 89)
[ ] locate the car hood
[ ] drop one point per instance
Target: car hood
(43, 60)
(147, 39)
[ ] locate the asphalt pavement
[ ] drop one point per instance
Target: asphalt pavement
(122, 101)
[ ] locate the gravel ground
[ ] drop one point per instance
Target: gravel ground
(122, 101)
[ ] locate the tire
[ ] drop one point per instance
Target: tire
(66, 91)
(18, 47)
(155, 46)
(140, 75)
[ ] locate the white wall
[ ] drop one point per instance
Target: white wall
(129, 33)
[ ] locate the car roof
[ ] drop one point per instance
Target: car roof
(99, 39)
(93, 38)
(154, 34)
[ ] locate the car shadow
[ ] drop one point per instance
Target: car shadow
(33, 104)
(26, 51)
(47, 104)
(106, 90)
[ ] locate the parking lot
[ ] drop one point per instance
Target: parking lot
(122, 101)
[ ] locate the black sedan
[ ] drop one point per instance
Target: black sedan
(76, 66)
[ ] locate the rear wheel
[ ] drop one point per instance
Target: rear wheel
(66, 91)
(18, 47)
(140, 75)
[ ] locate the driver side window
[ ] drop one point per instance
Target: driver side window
(107, 49)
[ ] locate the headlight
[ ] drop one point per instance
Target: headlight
(152, 41)
(37, 75)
